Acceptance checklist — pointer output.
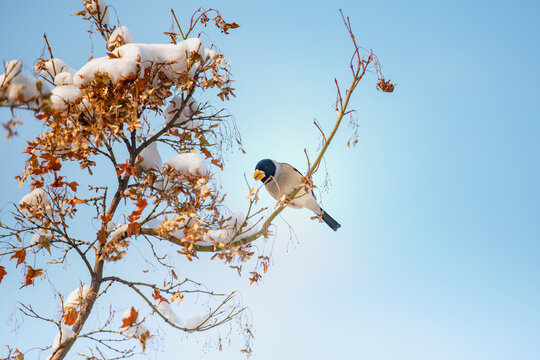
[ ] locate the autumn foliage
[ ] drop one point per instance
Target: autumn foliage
(116, 113)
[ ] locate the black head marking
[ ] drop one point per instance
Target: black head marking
(268, 167)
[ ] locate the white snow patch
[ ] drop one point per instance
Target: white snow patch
(64, 95)
(16, 88)
(120, 36)
(56, 66)
(229, 230)
(99, 9)
(167, 311)
(65, 333)
(77, 296)
(134, 330)
(189, 110)
(63, 78)
(35, 198)
(193, 322)
(153, 224)
(133, 59)
(36, 238)
(111, 226)
(151, 157)
(119, 229)
(188, 163)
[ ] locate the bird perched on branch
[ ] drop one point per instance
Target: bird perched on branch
(282, 179)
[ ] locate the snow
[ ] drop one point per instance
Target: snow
(119, 229)
(193, 322)
(188, 163)
(229, 229)
(120, 36)
(76, 297)
(189, 110)
(63, 78)
(153, 224)
(35, 198)
(64, 95)
(167, 311)
(37, 237)
(66, 332)
(151, 157)
(99, 9)
(133, 59)
(56, 66)
(111, 226)
(16, 88)
(134, 330)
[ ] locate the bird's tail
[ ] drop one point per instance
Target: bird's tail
(330, 221)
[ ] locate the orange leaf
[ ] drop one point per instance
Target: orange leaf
(217, 163)
(3, 272)
(31, 274)
(156, 295)
(73, 185)
(20, 255)
(70, 316)
(143, 338)
(206, 153)
(133, 228)
(141, 204)
(131, 319)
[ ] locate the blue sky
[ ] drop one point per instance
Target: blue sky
(437, 257)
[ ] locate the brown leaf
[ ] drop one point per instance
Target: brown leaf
(131, 319)
(133, 228)
(31, 274)
(178, 296)
(3, 272)
(20, 255)
(156, 295)
(70, 316)
(143, 338)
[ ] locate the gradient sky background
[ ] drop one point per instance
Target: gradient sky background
(437, 257)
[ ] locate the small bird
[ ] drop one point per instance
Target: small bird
(282, 179)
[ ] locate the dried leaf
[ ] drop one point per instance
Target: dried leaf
(143, 338)
(178, 296)
(3, 272)
(31, 274)
(70, 316)
(157, 296)
(20, 255)
(131, 319)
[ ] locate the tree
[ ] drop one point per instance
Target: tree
(111, 115)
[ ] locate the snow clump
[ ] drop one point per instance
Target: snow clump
(189, 110)
(120, 36)
(65, 333)
(133, 59)
(188, 163)
(167, 311)
(15, 88)
(35, 198)
(77, 296)
(151, 157)
(193, 322)
(64, 95)
(98, 8)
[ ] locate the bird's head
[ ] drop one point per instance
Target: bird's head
(265, 170)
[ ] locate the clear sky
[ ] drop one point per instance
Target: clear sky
(437, 257)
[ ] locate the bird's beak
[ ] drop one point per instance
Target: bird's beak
(259, 175)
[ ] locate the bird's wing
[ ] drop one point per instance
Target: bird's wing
(295, 169)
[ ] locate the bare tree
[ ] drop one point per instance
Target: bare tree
(116, 110)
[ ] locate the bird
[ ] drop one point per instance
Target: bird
(282, 179)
